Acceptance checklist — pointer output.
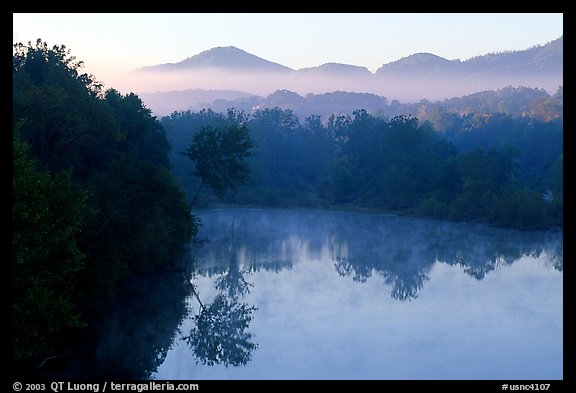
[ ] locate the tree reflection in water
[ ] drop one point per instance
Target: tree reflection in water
(411, 289)
(403, 251)
(232, 282)
(400, 251)
(219, 334)
(405, 278)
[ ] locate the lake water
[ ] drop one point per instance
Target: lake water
(290, 294)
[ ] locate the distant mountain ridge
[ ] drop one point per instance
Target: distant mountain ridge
(418, 76)
(540, 57)
(417, 63)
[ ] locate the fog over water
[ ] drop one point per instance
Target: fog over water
(340, 295)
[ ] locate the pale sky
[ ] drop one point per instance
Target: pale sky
(113, 44)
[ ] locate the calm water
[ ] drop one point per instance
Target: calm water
(285, 294)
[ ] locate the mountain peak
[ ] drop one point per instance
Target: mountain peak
(225, 51)
(422, 61)
(338, 69)
(223, 57)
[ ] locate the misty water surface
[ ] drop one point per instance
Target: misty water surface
(327, 295)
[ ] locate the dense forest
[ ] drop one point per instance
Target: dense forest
(481, 166)
(94, 202)
(514, 101)
(102, 190)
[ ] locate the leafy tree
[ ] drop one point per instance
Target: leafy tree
(142, 222)
(72, 247)
(66, 122)
(317, 151)
(519, 208)
(179, 128)
(220, 156)
(278, 134)
(46, 65)
(458, 164)
(142, 134)
(359, 144)
(548, 108)
(48, 214)
(483, 177)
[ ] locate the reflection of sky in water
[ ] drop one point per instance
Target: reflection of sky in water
(343, 295)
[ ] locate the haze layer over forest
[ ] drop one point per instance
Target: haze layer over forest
(409, 79)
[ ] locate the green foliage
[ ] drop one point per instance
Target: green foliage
(345, 184)
(141, 222)
(482, 175)
(464, 172)
(219, 155)
(66, 123)
(142, 134)
(537, 143)
(93, 204)
(550, 107)
(520, 208)
(277, 134)
(44, 66)
(48, 213)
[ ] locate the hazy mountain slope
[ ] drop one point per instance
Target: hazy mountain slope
(410, 79)
(433, 77)
(419, 64)
(228, 57)
(337, 69)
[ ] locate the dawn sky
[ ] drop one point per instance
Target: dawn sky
(113, 44)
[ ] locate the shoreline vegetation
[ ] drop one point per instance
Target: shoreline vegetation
(487, 167)
(103, 191)
(94, 203)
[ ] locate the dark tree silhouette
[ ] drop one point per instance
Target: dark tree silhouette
(220, 156)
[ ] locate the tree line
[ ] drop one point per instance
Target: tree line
(514, 101)
(488, 167)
